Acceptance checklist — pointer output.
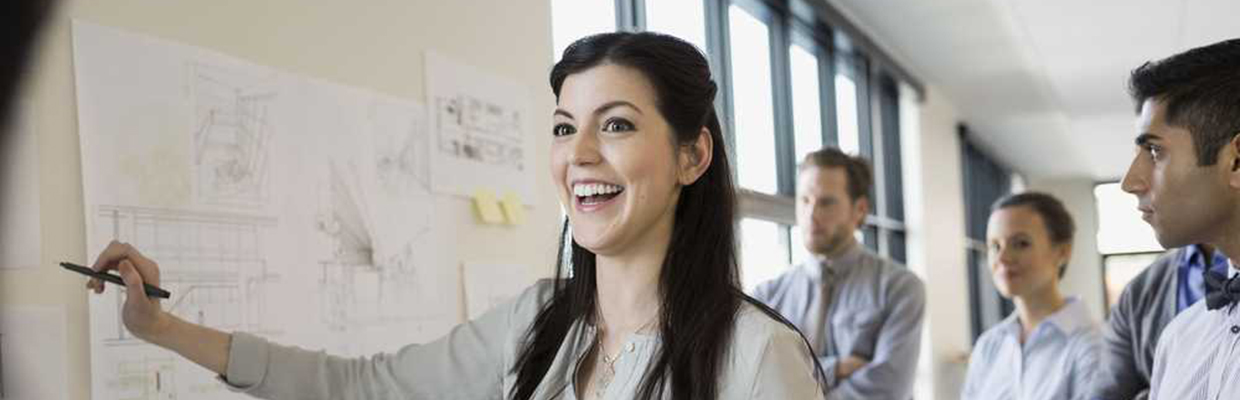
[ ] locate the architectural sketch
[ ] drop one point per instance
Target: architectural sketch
(400, 145)
(329, 242)
(367, 281)
(233, 127)
(481, 131)
(213, 263)
(144, 379)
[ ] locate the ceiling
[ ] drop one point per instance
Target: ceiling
(1042, 84)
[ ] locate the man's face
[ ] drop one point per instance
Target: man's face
(1183, 202)
(826, 214)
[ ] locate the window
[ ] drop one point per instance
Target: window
(685, 19)
(790, 83)
(849, 131)
(764, 252)
(575, 19)
(985, 181)
(753, 107)
(806, 107)
(1126, 242)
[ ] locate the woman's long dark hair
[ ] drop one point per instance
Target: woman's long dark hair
(699, 283)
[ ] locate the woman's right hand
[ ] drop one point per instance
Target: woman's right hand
(142, 315)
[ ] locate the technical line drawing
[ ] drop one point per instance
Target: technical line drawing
(144, 379)
(213, 263)
(479, 131)
(400, 145)
(363, 285)
(232, 129)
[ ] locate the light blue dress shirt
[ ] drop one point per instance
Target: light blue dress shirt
(1192, 285)
(875, 310)
(1056, 362)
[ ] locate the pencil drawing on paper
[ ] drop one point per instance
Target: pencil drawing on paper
(481, 131)
(232, 130)
(213, 263)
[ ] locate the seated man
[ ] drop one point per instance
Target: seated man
(862, 314)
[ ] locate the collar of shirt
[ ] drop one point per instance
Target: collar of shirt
(834, 266)
(1194, 260)
(1073, 316)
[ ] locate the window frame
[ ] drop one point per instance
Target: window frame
(822, 30)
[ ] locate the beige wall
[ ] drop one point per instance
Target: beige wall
(374, 45)
(934, 200)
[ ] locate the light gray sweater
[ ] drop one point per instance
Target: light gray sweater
(766, 360)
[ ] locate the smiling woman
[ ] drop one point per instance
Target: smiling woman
(1049, 348)
(646, 302)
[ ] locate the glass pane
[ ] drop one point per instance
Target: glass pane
(806, 108)
(799, 253)
(754, 111)
(896, 247)
(575, 19)
(846, 114)
(1120, 227)
(685, 19)
(764, 252)
(988, 305)
(1120, 269)
(869, 237)
(893, 178)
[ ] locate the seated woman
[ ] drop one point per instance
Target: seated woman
(646, 302)
(1049, 347)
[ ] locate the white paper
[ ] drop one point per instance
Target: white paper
(480, 126)
(19, 193)
(32, 353)
(275, 204)
(489, 284)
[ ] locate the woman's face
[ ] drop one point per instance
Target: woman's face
(1022, 258)
(613, 160)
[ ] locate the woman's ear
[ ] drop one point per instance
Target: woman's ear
(695, 158)
(1064, 251)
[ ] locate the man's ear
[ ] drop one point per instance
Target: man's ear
(695, 158)
(861, 207)
(1230, 156)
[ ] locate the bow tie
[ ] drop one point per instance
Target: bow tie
(1221, 291)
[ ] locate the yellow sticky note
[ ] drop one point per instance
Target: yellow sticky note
(513, 209)
(488, 207)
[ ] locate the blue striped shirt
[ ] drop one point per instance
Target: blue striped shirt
(1198, 355)
(1056, 362)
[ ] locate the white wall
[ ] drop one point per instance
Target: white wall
(1084, 275)
(934, 202)
(375, 45)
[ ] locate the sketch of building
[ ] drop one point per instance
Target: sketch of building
(400, 145)
(480, 131)
(144, 379)
(213, 263)
(232, 130)
(365, 283)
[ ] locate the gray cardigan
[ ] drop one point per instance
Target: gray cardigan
(766, 360)
(1145, 307)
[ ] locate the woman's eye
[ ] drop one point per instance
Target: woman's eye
(617, 125)
(563, 129)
